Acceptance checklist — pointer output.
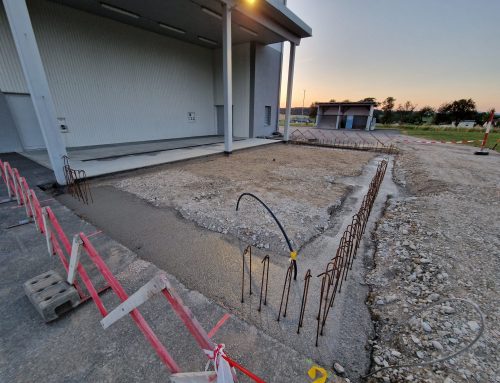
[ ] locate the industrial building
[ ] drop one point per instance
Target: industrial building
(85, 73)
(345, 115)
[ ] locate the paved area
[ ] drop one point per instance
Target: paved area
(100, 161)
(210, 262)
(349, 136)
(300, 184)
(75, 348)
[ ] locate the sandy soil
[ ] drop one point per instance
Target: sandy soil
(300, 184)
(438, 242)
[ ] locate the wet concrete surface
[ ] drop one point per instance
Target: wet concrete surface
(75, 348)
(210, 263)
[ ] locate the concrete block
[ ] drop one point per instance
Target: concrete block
(51, 295)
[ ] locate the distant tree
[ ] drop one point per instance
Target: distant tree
(405, 112)
(426, 114)
(370, 99)
(427, 111)
(332, 100)
(387, 107)
(346, 100)
(458, 110)
(313, 110)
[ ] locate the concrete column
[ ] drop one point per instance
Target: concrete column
(289, 90)
(227, 68)
(34, 73)
(337, 123)
(369, 119)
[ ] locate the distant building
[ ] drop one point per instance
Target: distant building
(466, 124)
(345, 115)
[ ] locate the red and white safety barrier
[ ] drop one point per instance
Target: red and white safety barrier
(58, 244)
(8, 177)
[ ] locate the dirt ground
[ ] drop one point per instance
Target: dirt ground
(302, 185)
(438, 242)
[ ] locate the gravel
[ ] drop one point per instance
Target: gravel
(302, 185)
(440, 240)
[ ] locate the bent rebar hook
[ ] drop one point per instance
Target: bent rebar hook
(293, 253)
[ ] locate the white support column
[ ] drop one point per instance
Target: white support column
(31, 62)
(338, 119)
(227, 68)
(289, 90)
(370, 118)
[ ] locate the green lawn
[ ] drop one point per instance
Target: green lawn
(452, 134)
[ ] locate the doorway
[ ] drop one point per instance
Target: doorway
(24, 116)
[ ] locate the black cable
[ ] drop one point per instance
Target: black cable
(294, 262)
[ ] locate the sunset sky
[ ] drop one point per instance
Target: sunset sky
(425, 51)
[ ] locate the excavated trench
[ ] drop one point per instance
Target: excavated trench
(210, 263)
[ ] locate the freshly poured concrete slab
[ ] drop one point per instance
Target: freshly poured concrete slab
(114, 164)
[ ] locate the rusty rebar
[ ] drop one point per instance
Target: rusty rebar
(307, 278)
(265, 268)
(325, 283)
(288, 279)
(248, 250)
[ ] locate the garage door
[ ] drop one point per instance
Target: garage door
(327, 122)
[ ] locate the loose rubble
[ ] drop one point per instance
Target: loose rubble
(440, 241)
(302, 185)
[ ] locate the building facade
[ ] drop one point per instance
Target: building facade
(345, 115)
(97, 73)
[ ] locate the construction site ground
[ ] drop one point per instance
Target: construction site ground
(432, 231)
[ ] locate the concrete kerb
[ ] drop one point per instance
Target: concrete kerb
(51, 294)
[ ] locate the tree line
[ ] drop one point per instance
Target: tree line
(408, 113)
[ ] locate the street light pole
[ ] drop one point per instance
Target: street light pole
(303, 101)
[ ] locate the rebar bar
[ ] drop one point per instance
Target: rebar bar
(307, 278)
(248, 250)
(324, 281)
(288, 279)
(265, 268)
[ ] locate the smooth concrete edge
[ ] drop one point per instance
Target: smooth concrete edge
(189, 155)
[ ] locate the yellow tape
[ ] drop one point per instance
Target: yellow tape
(314, 370)
(293, 255)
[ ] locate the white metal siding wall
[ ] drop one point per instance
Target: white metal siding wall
(11, 73)
(241, 87)
(9, 140)
(116, 83)
(267, 77)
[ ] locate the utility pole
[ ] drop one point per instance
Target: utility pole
(303, 101)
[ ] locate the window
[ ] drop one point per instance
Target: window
(267, 116)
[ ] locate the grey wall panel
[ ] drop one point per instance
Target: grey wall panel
(328, 122)
(116, 83)
(241, 87)
(11, 72)
(24, 116)
(9, 139)
(267, 79)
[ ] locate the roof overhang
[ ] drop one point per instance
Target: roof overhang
(200, 21)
